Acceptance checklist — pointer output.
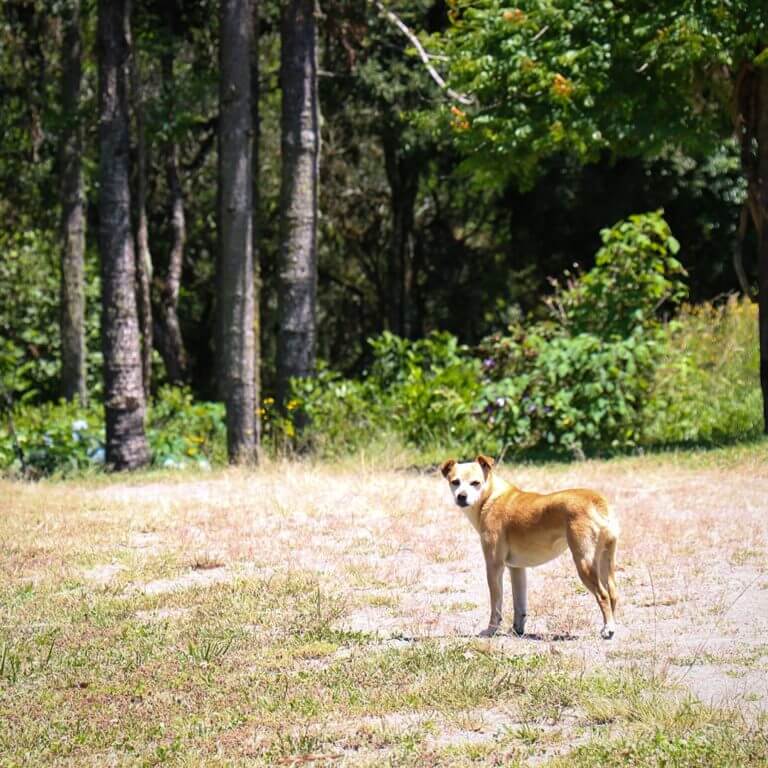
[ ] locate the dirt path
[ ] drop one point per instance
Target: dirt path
(693, 559)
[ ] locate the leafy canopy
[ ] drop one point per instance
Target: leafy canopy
(560, 76)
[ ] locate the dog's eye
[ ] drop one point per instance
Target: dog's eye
(475, 483)
(455, 483)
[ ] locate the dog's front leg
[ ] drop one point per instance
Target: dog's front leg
(519, 598)
(494, 570)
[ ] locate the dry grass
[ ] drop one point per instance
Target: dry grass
(327, 614)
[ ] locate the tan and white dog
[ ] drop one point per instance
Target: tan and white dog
(519, 530)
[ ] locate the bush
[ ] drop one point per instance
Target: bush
(707, 388)
(576, 382)
(52, 438)
(421, 391)
(61, 438)
(182, 432)
(635, 274)
(571, 393)
(581, 380)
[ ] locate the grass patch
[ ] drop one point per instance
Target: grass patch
(252, 653)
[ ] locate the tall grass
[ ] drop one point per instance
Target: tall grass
(707, 390)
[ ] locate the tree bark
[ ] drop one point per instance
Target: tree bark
(72, 301)
(403, 178)
(256, 117)
(762, 231)
(121, 344)
(143, 253)
(738, 252)
(171, 342)
(235, 279)
(300, 143)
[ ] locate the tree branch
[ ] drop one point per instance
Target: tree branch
(423, 55)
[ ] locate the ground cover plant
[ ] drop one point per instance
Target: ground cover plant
(322, 614)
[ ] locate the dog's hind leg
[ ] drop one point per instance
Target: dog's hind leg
(607, 566)
(586, 556)
(519, 598)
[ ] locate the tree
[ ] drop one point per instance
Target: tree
(143, 252)
(121, 344)
(584, 79)
(169, 338)
(72, 317)
(300, 144)
(235, 266)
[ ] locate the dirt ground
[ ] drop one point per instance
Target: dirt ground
(692, 558)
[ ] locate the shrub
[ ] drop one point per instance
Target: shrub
(53, 438)
(181, 431)
(569, 392)
(578, 381)
(343, 415)
(422, 391)
(581, 380)
(635, 274)
(429, 386)
(61, 438)
(707, 388)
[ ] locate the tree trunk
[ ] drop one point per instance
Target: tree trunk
(235, 279)
(172, 343)
(751, 122)
(72, 319)
(403, 177)
(121, 344)
(738, 252)
(762, 232)
(300, 143)
(143, 254)
(256, 117)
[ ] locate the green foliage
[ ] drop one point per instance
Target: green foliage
(29, 318)
(183, 432)
(577, 382)
(53, 438)
(566, 392)
(707, 388)
(419, 390)
(581, 78)
(430, 385)
(344, 415)
(61, 438)
(635, 274)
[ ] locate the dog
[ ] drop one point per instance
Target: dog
(520, 530)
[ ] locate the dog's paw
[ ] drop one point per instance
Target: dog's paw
(608, 631)
(489, 632)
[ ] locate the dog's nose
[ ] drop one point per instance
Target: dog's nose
(461, 498)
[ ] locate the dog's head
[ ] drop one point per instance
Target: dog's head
(468, 479)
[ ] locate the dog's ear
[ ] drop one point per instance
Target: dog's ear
(447, 466)
(486, 462)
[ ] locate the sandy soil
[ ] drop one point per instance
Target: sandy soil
(693, 559)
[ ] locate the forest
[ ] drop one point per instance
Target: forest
(247, 228)
(384, 383)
